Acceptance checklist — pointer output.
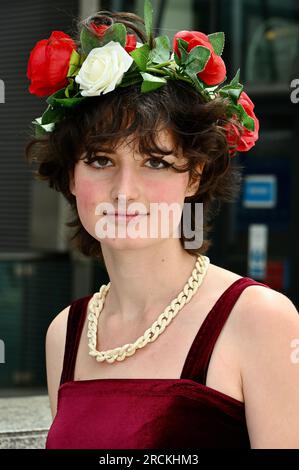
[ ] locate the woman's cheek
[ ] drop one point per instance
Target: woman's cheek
(172, 191)
(87, 195)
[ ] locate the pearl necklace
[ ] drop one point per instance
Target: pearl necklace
(96, 303)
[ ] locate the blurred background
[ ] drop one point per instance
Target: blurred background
(256, 236)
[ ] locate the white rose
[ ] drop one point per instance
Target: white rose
(103, 69)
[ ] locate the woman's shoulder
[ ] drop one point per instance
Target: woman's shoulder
(265, 325)
(55, 348)
(258, 305)
(56, 332)
(55, 344)
(60, 320)
(223, 278)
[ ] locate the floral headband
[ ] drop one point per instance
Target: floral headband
(109, 57)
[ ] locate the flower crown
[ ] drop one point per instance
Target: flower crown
(109, 57)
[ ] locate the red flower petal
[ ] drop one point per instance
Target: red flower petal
(49, 62)
(99, 29)
(246, 140)
(130, 42)
(36, 58)
(215, 70)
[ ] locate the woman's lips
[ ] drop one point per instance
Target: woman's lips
(126, 216)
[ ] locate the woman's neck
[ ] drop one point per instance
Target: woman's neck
(144, 280)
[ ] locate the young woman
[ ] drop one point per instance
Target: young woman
(175, 352)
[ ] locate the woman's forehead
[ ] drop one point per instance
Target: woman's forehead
(154, 140)
(163, 138)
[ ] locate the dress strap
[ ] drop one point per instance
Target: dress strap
(198, 359)
(75, 322)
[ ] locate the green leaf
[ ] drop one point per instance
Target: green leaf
(236, 80)
(217, 41)
(60, 98)
(131, 80)
(42, 129)
(231, 92)
(74, 64)
(70, 88)
(52, 115)
(116, 32)
(132, 70)
(151, 82)
(246, 120)
(58, 94)
(195, 80)
(177, 59)
(183, 46)
(70, 102)
(183, 43)
(161, 52)
(88, 41)
(140, 56)
(197, 59)
(148, 19)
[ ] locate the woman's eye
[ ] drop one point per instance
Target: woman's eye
(100, 162)
(159, 161)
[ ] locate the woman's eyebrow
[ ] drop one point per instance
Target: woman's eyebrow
(103, 149)
(170, 152)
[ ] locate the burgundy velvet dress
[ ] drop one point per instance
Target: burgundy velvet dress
(150, 413)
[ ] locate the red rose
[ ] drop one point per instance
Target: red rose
(99, 29)
(49, 63)
(242, 142)
(130, 39)
(130, 43)
(215, 70)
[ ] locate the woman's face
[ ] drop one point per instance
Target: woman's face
(124, 182)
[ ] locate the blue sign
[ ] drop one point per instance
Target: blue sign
(260, 191)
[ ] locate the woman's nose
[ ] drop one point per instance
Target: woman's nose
(127, 182)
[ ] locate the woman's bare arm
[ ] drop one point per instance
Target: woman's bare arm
(55, 344)
(268, 329)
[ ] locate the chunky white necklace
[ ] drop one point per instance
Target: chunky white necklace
(96, 303)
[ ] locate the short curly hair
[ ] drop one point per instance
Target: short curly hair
(197, 128)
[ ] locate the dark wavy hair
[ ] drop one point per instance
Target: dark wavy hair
(197, 128)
